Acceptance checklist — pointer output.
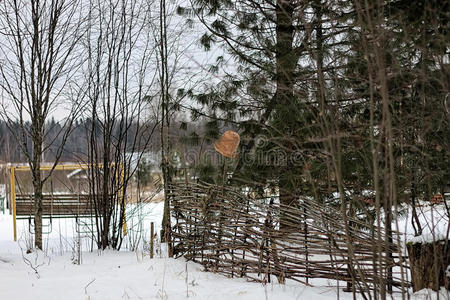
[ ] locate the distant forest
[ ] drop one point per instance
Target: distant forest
(76, 146)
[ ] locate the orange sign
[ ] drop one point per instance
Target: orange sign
(228, 144)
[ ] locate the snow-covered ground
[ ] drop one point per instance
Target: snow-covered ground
(433, 220)
(129, 274)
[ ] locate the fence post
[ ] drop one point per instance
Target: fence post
(306, 244)
(13, 200)
(152, 229)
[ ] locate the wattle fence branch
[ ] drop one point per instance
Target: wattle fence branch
(230, 232)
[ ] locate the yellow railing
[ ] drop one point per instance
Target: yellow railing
(57, 167)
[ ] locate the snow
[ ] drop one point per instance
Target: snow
(122, 274)
(428, 238)
(130, 274)
(125, 275)
(433, 219)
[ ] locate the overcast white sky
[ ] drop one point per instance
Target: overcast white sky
(192, 61)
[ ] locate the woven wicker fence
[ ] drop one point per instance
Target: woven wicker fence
(229, 232)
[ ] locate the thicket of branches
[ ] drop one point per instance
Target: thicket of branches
(104, 71)
(38, 45)
(347, 98)
(332, 95)
(356, 88)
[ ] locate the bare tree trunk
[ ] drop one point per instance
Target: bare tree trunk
(165, 118)
(37, 186)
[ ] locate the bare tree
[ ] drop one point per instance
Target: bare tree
(39, 41)
(118, 80)
(165, 121)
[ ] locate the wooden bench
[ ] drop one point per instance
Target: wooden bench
(57, 206)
